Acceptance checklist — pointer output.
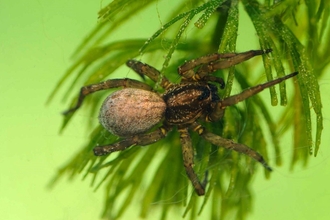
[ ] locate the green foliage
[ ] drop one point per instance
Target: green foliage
(295, 30)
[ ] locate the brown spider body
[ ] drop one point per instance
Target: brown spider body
(185, 103)
(134, 110)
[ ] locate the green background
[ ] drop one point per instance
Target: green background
(37, 39)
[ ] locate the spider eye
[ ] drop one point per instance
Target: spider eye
(205, 94)
(214, 92)
(213, 88)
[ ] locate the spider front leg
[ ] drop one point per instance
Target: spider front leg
(188, 161)
(213, 62)
(141, 140)
(229, 144)
(112, 83)
(232, 100)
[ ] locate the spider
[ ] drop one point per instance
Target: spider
(133, 111)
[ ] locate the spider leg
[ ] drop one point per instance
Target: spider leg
(188, 161)
(213, 62)
(111, 83)
(191, 64)
(151, 72)
(141, 140)
(223, 64)
(229, 144)
(232, 100)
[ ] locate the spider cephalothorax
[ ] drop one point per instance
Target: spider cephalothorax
(186, 102)
(131, 112)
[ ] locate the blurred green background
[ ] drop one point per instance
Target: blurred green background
(36, 41)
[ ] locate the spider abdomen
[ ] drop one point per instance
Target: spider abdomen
(131, 111)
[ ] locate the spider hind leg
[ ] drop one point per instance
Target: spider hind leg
(151, 72)
(108, 84)
(141, 140)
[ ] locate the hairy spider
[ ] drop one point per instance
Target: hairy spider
(131, 112)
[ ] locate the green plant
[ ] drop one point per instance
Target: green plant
(297, 33)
